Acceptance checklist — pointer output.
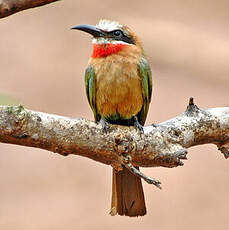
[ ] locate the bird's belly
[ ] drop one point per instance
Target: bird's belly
(118, 96)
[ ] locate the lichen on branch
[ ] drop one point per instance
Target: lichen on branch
(163, 144)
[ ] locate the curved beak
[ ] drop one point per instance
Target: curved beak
(95, 32)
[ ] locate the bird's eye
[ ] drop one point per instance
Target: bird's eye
(117, 33)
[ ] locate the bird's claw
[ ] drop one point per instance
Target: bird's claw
(105, 125)
(138, 126)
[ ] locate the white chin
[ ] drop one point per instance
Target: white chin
(102, 40)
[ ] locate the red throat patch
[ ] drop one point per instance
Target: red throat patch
(103, 50)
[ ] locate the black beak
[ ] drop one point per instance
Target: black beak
(95, 32)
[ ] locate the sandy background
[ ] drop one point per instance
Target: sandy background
(42, 66)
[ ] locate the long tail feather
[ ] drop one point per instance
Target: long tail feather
(127, 194)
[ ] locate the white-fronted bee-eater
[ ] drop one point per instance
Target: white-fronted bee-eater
(119, 86)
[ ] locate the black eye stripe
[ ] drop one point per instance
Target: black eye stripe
(121, 37)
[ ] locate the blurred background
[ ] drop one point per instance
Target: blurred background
(42, 66)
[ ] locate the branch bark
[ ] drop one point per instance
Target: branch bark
(8, 7)
(163, 144)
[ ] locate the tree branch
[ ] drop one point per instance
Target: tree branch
(163, 144)
(8, 7)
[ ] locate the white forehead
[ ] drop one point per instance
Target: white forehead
(108, 25)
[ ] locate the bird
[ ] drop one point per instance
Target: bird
(118, 82)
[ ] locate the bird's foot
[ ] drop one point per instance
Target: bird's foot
(105, 125)
(138, 126)
(154, 125)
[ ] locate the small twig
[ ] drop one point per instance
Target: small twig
(191, 101)
(138, 173)
(191, 108)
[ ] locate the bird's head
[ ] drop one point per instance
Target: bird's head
(110, 37)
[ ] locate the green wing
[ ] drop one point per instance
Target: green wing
(90, 90)
(146, 76)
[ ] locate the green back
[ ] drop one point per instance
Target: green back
(90, 90)
(146, 76)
